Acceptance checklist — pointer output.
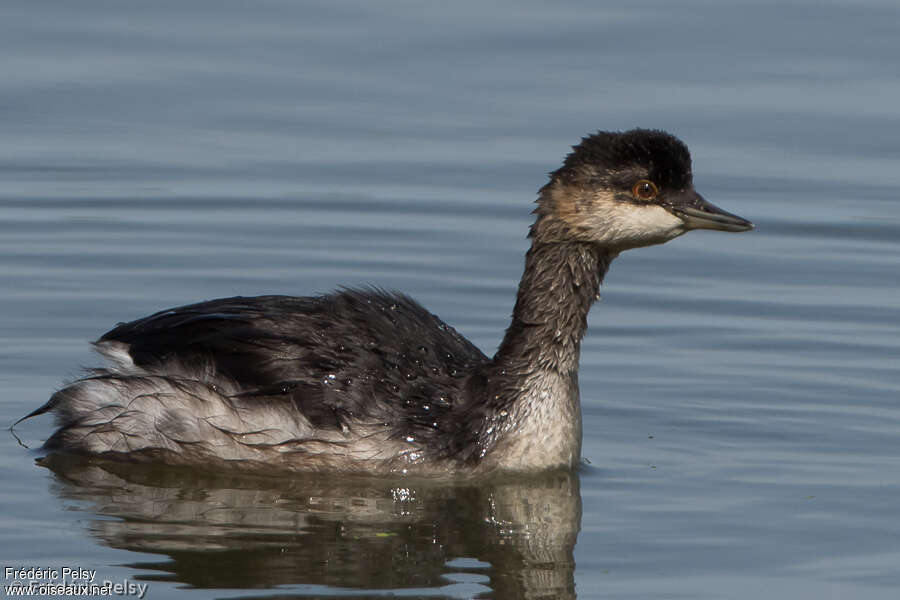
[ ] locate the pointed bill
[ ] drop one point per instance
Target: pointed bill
(697, 213)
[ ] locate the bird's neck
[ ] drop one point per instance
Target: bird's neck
(530, 388)
(560, 283)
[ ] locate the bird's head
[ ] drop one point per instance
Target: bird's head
(626, 190)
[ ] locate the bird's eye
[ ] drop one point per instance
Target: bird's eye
(645, 190)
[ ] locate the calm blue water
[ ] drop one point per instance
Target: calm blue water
(740, 392)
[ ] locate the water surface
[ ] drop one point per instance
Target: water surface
(739, 391)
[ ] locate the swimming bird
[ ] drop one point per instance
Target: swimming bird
(362, 380)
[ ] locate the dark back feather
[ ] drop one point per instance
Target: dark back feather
(348, 357)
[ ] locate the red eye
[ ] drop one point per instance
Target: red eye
(645, 190)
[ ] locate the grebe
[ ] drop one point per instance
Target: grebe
(369, 381)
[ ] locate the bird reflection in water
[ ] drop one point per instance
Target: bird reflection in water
(218, 531)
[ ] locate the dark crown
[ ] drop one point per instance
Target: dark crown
(664, 158)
